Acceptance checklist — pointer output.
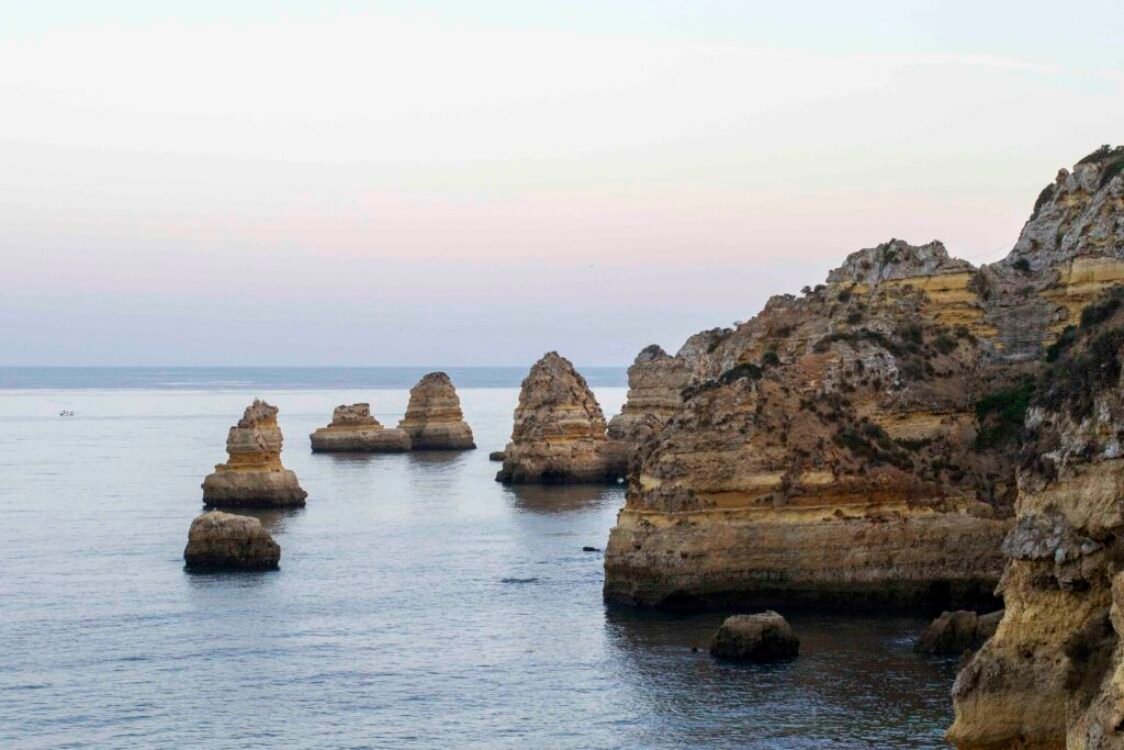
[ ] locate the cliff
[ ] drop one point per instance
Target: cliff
(253, 475)
(1053, 674)
(433, 419)
(655, 381)
(354, 430)
(559, 433)
(856, 446)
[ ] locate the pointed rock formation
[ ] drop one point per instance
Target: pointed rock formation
(253, 476)
(354, 430)
(224, 541)
(559, 432)
(655, 382)
(856, 446)
(434, 420)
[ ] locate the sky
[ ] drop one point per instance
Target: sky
(476, 183)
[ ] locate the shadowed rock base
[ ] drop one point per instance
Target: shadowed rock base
(224, 541)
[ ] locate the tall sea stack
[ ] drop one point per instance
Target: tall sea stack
(559, 432)
(434, 420)
(253, 476)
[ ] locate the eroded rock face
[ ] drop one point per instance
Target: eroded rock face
(434, 420)
(253, 476)
(762, 637)
(1053, 674)
(954, 633)
(224, 541)
(559, 434)
(655, 381)
(856, 446)
(354, 430)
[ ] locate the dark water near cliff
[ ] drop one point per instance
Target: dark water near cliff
(420, 604)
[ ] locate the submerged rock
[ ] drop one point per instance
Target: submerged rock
(354, 430)
(225, 541)
(434, 420)
(953, 633)
(253, 476)
(559, 432)
(760, 638)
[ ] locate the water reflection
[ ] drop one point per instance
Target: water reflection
(273, 520)
(563, 498)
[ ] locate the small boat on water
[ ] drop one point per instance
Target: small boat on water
(66, 413)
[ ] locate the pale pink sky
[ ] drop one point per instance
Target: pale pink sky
(342, 184)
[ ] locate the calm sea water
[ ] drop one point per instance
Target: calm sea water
(419, 604)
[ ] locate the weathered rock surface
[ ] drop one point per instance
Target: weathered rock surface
(954, 633)
(655, 381)
(224, 541)
(1053, 674)
(434, 420)
(856, 446)
(496, 456)
(559, 434)
(759, 638)
(253, 476)
(354, 430)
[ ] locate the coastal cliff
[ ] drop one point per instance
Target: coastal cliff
(856, 446)
(253, 476)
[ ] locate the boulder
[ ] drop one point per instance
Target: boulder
(354, 430)
(559, 432)
(225, 541)
(253, 476)
(433, 419)
(759, 638)
(496, 456)
(953, 633)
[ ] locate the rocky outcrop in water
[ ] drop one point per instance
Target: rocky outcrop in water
(224, 541)
(953, 633)
(655, 381)
(559, 433)
(856, 446)
(253, 476)
(1053, 674)
(762, 637)
(354, 430)
(434, 420)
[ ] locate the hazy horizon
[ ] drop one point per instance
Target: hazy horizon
(367, 184)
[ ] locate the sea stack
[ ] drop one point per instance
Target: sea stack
(655, 382)
(434, 420)
(354, 430)
(225, 541)
(253, 476)
(559, 433)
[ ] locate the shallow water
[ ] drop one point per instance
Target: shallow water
(419, 604)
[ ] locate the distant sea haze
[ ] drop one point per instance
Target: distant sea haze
(286, 378)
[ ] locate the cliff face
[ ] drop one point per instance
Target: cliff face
(559, 433)
(354, 430)
(855, 446)
(1053, 674)
(655, 381)
(253, 475)
(434, 420)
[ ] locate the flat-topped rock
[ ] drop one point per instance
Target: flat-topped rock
(762, 637)
(354, 430)
(559, 432)
(434, 420)
(253, 476)
(225, 541)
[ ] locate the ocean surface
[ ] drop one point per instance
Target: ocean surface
(419, 603)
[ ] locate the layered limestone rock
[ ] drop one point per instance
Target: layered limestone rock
(1053, 674)
(224, 541)
(855, 446)
(956, 632)
(655, 381)
(559, 434)
(354, 430)
(253, 476)
(434, 420)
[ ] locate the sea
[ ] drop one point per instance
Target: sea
(419, 604)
